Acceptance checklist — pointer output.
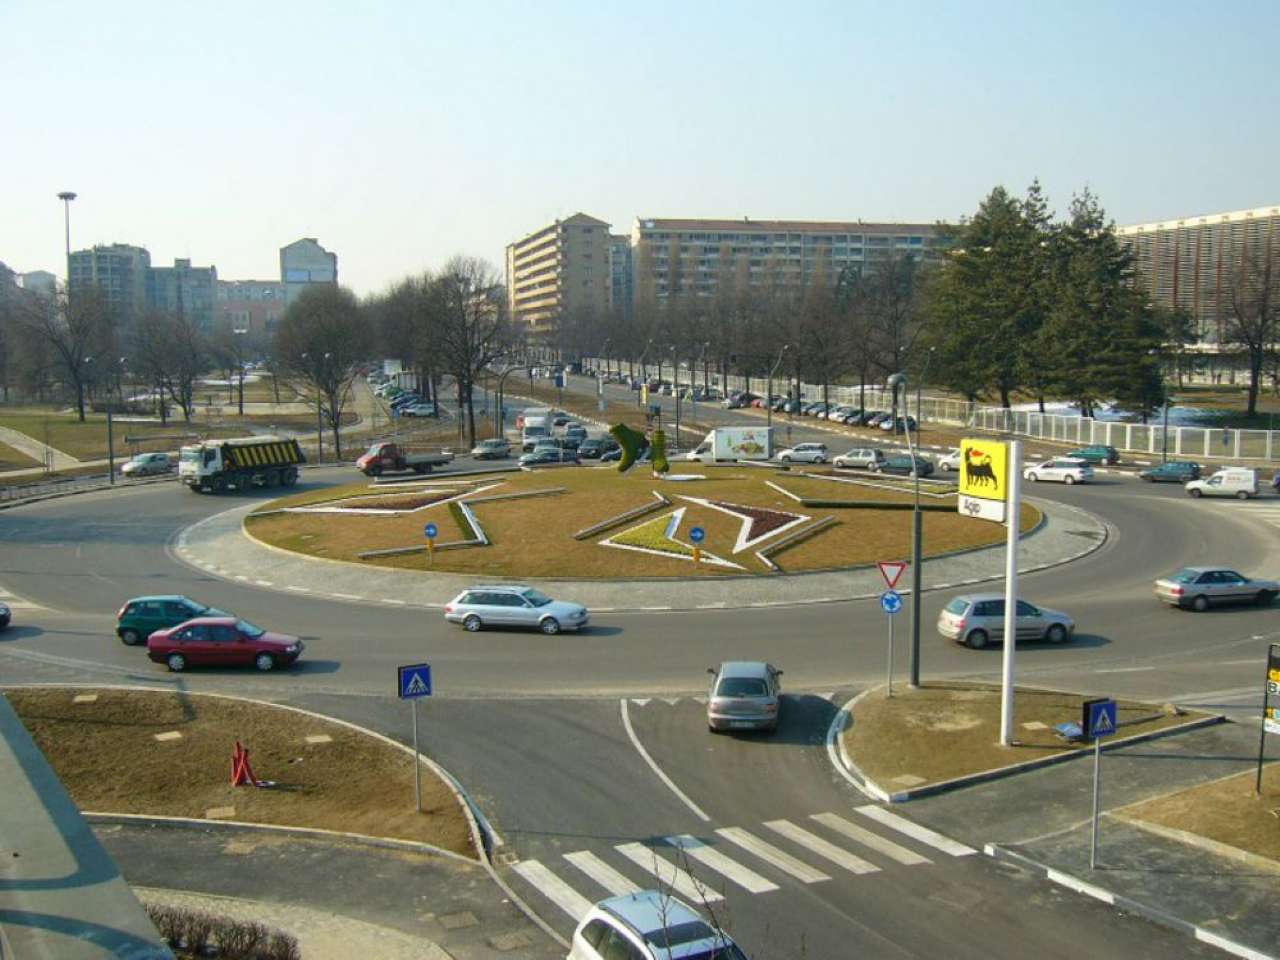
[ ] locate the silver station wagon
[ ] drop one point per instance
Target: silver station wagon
(744, 695)
(977, 619)
(514, 606)
(1198, 587)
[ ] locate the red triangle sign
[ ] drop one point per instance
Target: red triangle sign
(891, 570)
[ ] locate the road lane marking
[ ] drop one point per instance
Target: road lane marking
(744, 877)
(668, 873)
(867, 838)
(264, 583)
(553, 888)
(635, 741)
(346, 596)
(915, 831)
(299, 589)
(1125, 670)
(601, 872)
(398, 603)
(813, 842)
(772, 855)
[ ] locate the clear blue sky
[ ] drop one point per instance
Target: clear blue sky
(399, 133)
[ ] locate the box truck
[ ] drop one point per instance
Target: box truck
(734, 443)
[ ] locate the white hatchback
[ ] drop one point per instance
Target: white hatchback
(804, 453)
(1066, 471)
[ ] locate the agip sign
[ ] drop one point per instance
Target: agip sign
(984, 479)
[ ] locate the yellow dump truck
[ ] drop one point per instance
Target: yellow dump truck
(219, 465)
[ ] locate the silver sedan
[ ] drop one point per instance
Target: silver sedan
(1198, 587)
(744, 695)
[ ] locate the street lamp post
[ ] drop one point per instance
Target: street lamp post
(643, 378)
(66, 196)
(240, 364)
(768, 391)
(899, 382)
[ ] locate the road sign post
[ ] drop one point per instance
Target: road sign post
(891, 603)
(431, 530)
(412, 683)
(1270, 714)
(1013, 481)
(1099, 720)
(697, 535)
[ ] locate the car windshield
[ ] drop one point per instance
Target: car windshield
(249, 630)
(741, 687)
(679, 933)
(190, 455)
(374, 450)
(536, 598)
(724, 951)
(958, 605)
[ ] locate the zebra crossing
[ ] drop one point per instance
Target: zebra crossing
(830, 695)
(820, 849)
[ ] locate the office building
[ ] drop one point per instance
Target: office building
(1190, 262)
(556, 270)
(252, 305)
(185, 290)
(119, 272)
(693, 256)
(305, 262)
(621, 274)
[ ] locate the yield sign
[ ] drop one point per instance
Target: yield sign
(891, 570)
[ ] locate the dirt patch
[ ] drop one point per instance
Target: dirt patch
(1226, 811)
(946, 730)
(534, 537)
(107, 754)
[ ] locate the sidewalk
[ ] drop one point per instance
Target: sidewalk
(218, 545)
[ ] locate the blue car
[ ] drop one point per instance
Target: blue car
(1175, 471)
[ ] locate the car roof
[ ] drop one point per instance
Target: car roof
(226, 621)
(648, 910)
(513, 588)
(980, 597)
(744, 668)
(164, 596)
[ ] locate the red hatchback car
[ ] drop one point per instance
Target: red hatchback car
(221, 642)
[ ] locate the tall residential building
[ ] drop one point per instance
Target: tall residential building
(694, 255)
(184, 289)
(305, 262)
(253, 305)
(556, 270)
(621, 274)
(119, 271)
(40, 282)
(1189, 263)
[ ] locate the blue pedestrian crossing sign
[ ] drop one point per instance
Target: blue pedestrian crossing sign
(415, 681)
(697, 534)
(891, 601)
(1100, 718)
(430, 530)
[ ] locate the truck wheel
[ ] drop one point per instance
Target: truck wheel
(290, 477)
(218, 484)
(420, 468)
(177, 662)
(272, 478)
(1242, 495)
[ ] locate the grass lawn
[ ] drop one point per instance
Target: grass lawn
(946, 730)
(534, 537)
(11, 459)
(107, 755)
(88, 440)
(255, 391)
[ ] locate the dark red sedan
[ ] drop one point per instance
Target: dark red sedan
(221, 642)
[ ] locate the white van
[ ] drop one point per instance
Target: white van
(1240, 482)
(535, 429)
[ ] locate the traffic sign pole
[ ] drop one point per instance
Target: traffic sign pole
(1014, 482)
(890, 671)
(417, 760)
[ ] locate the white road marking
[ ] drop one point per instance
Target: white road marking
(635, 741)
(554, 889)
(668, 873)
(868, 839)
(398, 603)
(835, 751)
(346, 596)
(241, 577)
(670, 701)
(601, 872)
(1125, 670)
(744, 877)
(915, 831)
(639, 701)
(263, 583)
(811, 841)
(771, 854)
(299, 589)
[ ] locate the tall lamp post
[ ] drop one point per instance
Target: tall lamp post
(643, 377)
(238, 335)
(66, 196)
(768, 391)
(898, 382)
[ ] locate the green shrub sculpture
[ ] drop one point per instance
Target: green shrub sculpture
(660, 464)
(632, 443)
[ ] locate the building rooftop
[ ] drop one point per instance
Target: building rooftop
(1203, 220)
(794, 226)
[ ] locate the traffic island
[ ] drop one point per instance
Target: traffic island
(118, 754)
(945, 735)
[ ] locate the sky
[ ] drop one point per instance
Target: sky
(401, 133)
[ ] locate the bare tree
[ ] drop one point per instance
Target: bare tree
(472, 325)
(76, 330)
(1255, 307)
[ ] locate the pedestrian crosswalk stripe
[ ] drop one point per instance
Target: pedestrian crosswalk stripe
(744, 877)
(772, 855)
(868, 839)
(601, 872)
(821, 847)
(915, 831)
(668, 873)
(554, 889)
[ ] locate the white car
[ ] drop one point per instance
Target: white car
(951, 462)
(804, 453)
(649, 925)
(145, 464)
(863, 458)
(1067, 471)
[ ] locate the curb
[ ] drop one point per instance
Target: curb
(23, 501)
(840, 758)
(997, 852)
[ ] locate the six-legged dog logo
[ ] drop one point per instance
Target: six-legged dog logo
(978, 471)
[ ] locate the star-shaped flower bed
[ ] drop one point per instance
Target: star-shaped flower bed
(657, 536)
(389, 504)
(758, 523)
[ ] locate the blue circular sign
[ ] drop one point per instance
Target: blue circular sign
(431, 531)
(697, 534)
(891, 601)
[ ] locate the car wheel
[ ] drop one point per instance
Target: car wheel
(130, 638)
(976, 640)
(375, 471)
(1266, 597)
(1033, 477)
(177, 662)
(1200, 604)
(1056, 633)
(1071, 481)
(1195, 493)
(471, 623)
(265, 662)
(1242, 495)
(786, 459)
(821, 460)
(550, 626)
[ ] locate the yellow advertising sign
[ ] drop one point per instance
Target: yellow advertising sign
(984, 469)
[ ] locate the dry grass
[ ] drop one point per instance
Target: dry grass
(946, 730)
(534, 537)
(107, 756)
(11, 459)
(1227, 811)
(88, 440)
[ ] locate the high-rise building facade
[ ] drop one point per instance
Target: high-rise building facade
(186, 290)
(304, 262)
(621, 274)
(252, 305)
(1190, 263)
(556, 270)
(119, 271)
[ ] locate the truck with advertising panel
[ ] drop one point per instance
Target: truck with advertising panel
(219, 465)
(734, 443)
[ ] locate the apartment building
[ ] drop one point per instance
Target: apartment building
(1190, 262)
(305, 262)
(693, 256)
(556, 270)
(621, 274)
(119, 271)
(184, 289)
(252, 305)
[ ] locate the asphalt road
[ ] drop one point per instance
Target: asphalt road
(564, 742)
